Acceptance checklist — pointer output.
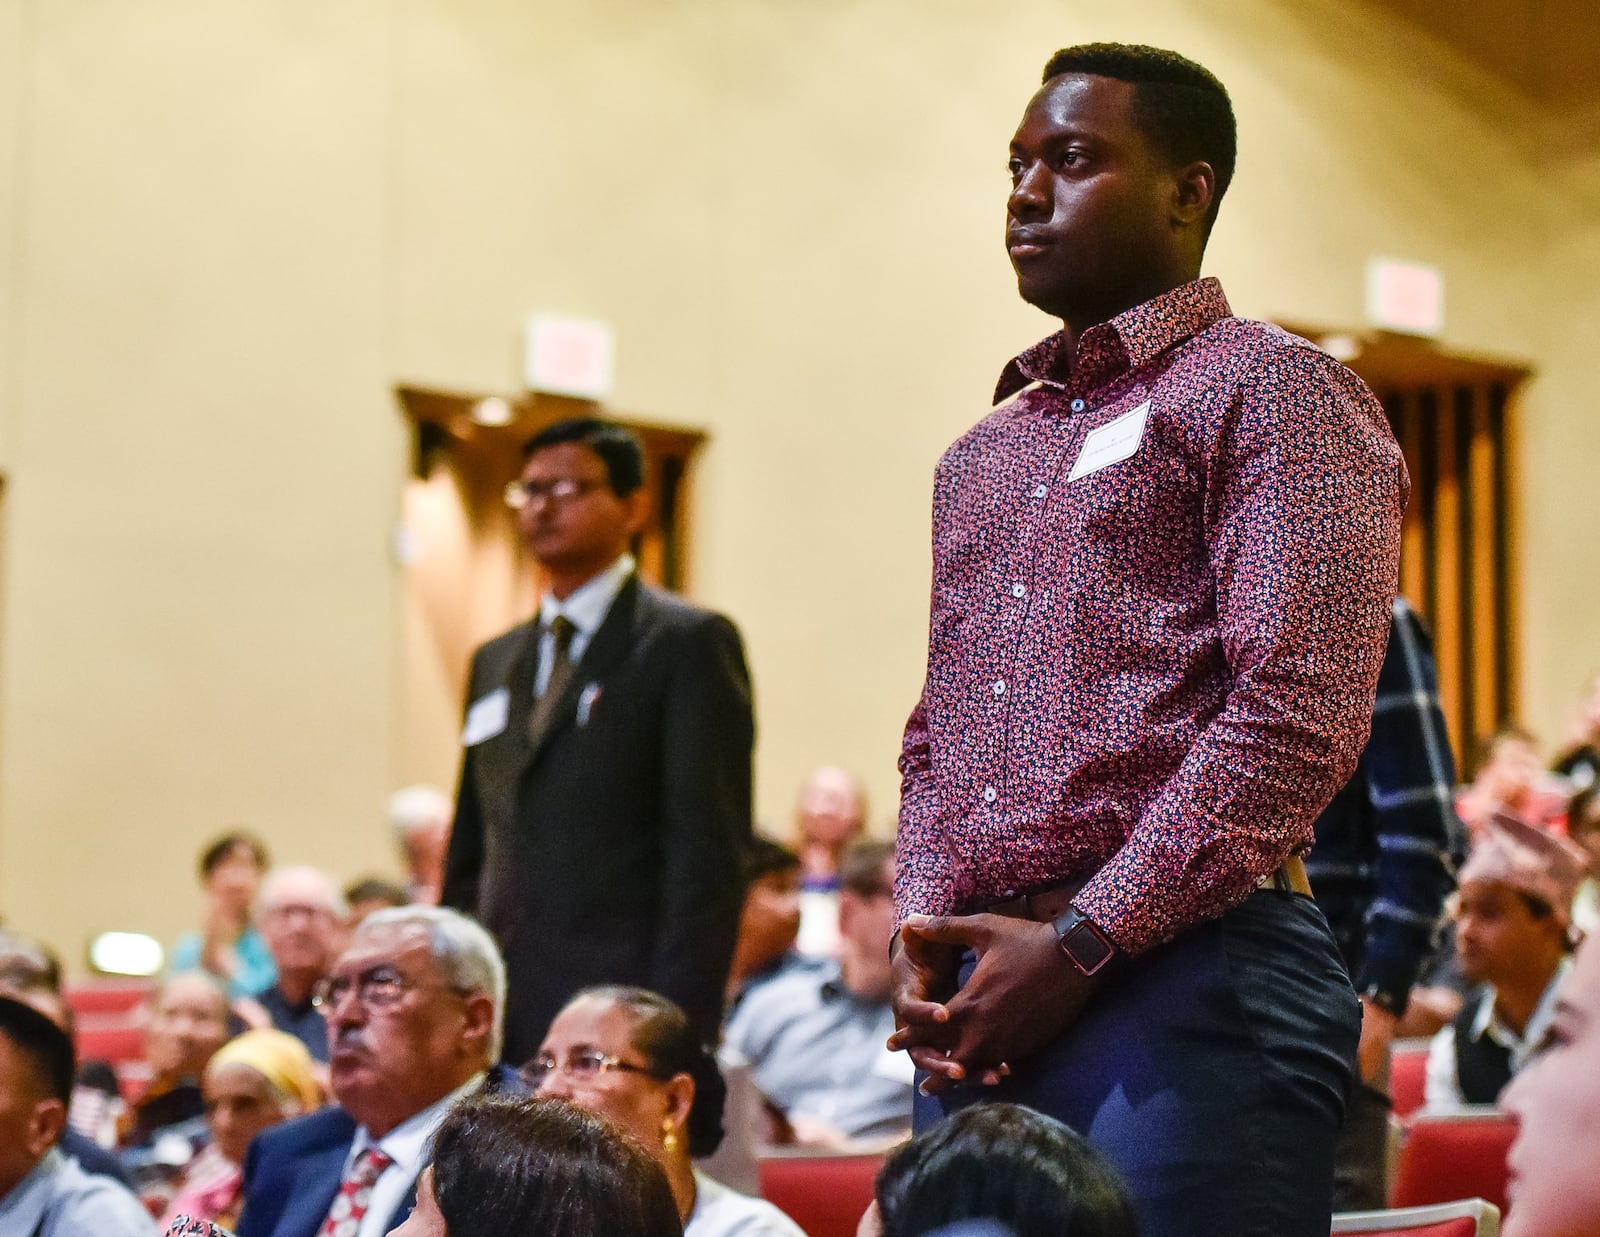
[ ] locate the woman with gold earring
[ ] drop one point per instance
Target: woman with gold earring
(631, 1056)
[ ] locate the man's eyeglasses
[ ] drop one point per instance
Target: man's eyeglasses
(520, 494)
(579, 1066)
(380, 988)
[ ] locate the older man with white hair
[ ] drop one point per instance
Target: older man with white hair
(420, 817)
(300, 913)
(414, 1008)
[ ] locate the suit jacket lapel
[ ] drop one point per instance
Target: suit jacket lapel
(322, 1171)
(611, 643)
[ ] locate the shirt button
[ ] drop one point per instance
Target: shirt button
(999, 687)
(1077, 405)
(1019, 589)
(1039, 491)
(990, 794)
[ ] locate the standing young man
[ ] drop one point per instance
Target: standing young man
(1163, 568)
(604, 806)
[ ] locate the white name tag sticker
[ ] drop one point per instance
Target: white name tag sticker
(486, 717)
(1112, 443)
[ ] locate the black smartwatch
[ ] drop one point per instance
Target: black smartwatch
(1388, 999)
(1085, 946)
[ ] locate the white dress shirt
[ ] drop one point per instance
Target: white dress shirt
(585, 608)
(1443, 1086)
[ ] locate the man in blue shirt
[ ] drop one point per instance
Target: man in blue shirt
(42, 1192)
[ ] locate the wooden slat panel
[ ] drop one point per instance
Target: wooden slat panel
(1488, 709)
(1449, 638)
(1413, 548)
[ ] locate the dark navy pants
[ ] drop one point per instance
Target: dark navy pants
(1212, 1071)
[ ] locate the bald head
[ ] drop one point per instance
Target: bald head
(830, 811)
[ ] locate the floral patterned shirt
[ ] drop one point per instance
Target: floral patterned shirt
(1162, 576)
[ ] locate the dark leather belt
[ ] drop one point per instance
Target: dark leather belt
(1050, 903)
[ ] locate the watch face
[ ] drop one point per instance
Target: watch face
(1088, 950)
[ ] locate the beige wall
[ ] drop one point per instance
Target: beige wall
(234, 226)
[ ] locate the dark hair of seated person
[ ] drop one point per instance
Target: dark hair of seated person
(1007, 1163)
(504, 1164)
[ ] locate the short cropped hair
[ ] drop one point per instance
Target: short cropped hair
(464, 952)
(505, 1164)
(376, 889)
(1181, 108)
(1007, 1163)
(617, 446)
(218, 849)
(28, 964)
(663, 1035)
(47, 1048)
(861, 867)
(764, 857)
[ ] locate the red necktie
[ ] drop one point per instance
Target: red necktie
(355, 1193)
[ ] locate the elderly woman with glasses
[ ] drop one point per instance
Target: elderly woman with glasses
(631, 1056)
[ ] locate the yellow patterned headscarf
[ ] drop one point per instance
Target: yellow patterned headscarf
(279, 1058)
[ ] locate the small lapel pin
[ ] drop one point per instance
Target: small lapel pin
(586, 702)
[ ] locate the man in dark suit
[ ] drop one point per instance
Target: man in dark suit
(414, 1017)
(604, 803)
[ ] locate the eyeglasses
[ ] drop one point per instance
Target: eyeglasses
(381, 988)
(520, 494)
(583, 1066)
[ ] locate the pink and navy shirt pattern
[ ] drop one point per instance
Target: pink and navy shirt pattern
(1159, 670)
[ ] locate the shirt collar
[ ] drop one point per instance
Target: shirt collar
(585, 607)
(407, 1143)
(1487, 1022)
(22, 1209)
(1133, 338)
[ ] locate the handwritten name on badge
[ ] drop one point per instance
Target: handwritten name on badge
(1112, 443)
(486, 717)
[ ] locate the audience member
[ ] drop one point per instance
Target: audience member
(770, 921)
(1004, 1163)
(372, 893)
(815, 1039)
(252, 1083)
(42, 1192)
(1510, 782)
(165, 1126)
(1554, 1189)
(229, 946)
(507, 1166)
(301, 914)
(829, 814)
(604, 803)
(414, 1009)
(1387, 849)
(633, 1057)
(420, 817)
(30, 973)
(1580, 762)
(1511, 913)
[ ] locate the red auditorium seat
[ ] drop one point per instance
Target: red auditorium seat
(823, 1194)
(1408, 1068)
(1446, 1156)
(106, 996)
(115, 1045)
(1469, 1218)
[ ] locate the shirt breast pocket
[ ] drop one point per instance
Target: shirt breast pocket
(1133, 503)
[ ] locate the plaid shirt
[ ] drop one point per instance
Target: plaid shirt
(1389, 843)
